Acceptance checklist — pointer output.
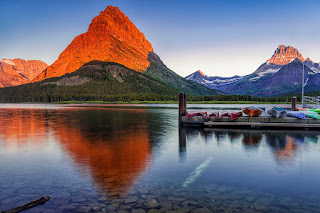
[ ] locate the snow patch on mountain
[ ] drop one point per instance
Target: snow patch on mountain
(190, 77)
(315, 71)
(7, 61)
(264, 73)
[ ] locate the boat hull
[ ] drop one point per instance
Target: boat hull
(252, 111)
(277, 113)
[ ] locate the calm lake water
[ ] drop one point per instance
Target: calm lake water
(134, 158)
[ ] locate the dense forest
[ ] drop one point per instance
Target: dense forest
(111, 82)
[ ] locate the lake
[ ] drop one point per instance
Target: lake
(134, 158)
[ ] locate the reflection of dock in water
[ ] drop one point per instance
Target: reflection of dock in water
(283, 143)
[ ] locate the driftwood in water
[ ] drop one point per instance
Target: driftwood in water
(32, 204)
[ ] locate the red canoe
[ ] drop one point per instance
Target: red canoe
(219, 114)
(234, 115)
(191, 114)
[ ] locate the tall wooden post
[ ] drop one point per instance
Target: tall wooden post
(185, 103)
(294, 104)
(182, 106)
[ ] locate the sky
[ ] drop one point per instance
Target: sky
(220, 38)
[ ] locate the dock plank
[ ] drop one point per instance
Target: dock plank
(261, 121)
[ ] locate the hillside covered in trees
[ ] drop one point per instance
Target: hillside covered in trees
(99, 81)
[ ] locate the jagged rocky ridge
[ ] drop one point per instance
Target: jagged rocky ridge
(281, 74)
(17, 71)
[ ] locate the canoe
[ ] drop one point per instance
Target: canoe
(312, 110)
(210, 114)
(191, 114)
(276, 112)
(252, 111)
(311, 114)
(219, 114)
(206, 115)
(234, 115)
(302, 109)
(296, 114)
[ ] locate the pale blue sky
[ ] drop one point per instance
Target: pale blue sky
(222, 38)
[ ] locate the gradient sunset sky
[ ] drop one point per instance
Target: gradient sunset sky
(223, 38)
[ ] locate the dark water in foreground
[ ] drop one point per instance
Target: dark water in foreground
(137, 160)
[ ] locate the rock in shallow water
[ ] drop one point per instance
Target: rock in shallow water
(151, 204)
(202, 210)
(130, 200)
(84, 209)
(138, 211)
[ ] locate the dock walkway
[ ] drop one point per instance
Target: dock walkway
(246, 121)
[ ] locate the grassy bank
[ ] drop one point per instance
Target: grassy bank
(168, 102)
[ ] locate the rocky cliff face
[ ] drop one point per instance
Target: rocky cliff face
(111, 37)
(14, 72)
(284, 55)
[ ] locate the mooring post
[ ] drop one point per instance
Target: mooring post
(294, 104)
(185, 103)
(182, 106)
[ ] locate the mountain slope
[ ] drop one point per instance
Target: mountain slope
(281, 74)
(112, 37)
(17, 71)
(159, 70)
(289, 80)
(214, 82)
(94, 81)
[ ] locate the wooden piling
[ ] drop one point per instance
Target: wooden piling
(294, 104)
(182, 106)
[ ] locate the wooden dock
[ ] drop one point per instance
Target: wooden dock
(261, 122)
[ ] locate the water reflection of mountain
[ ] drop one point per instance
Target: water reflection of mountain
(110, 145)
(23, 126)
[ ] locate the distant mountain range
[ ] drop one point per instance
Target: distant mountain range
(281, 74)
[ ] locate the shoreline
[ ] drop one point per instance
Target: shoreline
(152, 102)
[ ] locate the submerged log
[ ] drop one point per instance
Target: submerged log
(42, 200)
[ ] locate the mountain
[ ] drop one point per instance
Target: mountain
(17, 71)
(112, 37)
(214, 82)
(94, 81)
(281, 74)
(284, 55)
(287, 80)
